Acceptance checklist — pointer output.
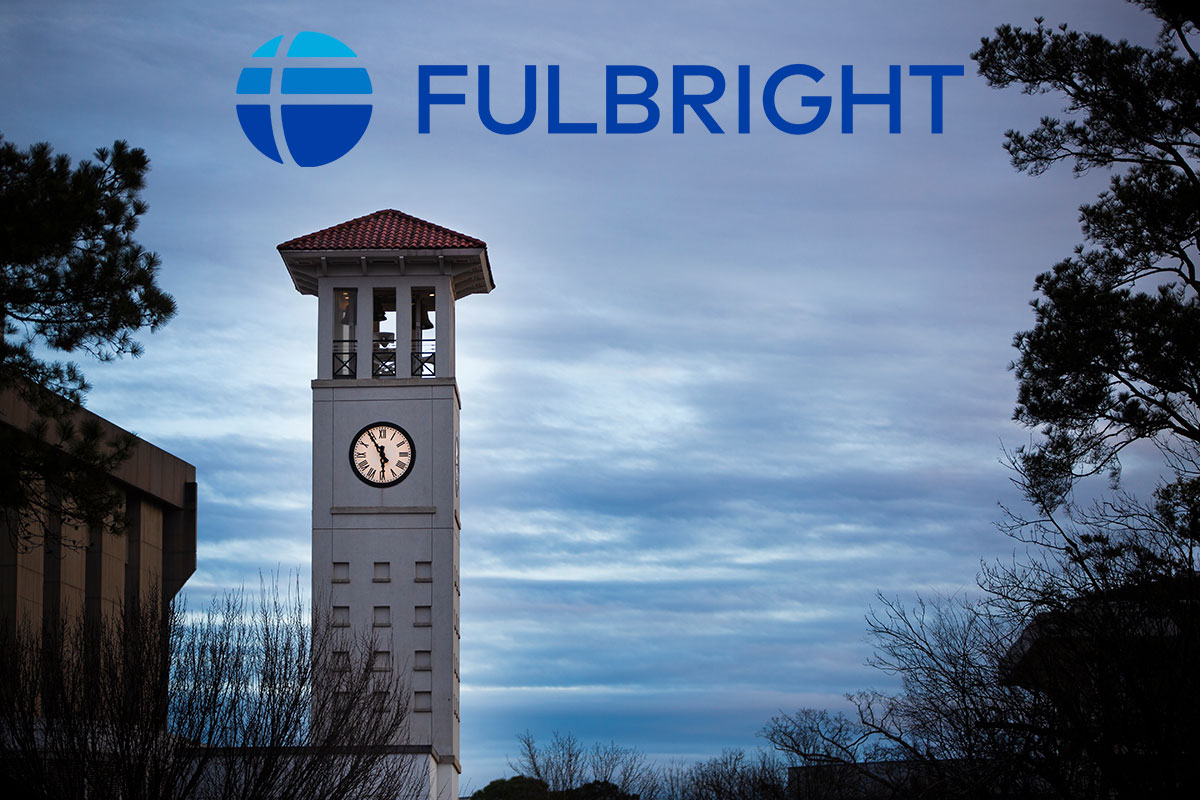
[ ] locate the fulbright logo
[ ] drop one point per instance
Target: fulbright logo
(322, 128)
(634, 100)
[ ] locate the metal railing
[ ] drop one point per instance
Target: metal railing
(424, 358)
(383, 364)
(383, 358)
(345, 359)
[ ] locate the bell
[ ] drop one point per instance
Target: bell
(420, 313)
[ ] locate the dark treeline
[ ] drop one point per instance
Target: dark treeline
(565, 769)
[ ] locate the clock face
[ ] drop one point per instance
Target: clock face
(382, 454)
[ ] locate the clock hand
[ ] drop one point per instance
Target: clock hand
(383, 459)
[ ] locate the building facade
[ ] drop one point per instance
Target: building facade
(385, 517)
(59, 571)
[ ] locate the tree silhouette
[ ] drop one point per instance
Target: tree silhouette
(246, 700)
(72, 280)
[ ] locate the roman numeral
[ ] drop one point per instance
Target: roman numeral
(362, 464)
(371, 473)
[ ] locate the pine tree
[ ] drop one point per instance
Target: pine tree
(72, 280)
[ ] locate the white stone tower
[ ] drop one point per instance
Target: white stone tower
(385, 523)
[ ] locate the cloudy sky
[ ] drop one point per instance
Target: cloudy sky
(728, 386)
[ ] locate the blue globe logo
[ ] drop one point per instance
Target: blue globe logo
(326, 124)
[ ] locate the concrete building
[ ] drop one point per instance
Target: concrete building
(385, 518)
(60, 571)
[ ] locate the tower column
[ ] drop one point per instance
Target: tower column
(325, 334)
(445, 329)
(364, 335)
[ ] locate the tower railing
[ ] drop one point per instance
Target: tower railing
(345, 358)
(424, 358)
(383, 358)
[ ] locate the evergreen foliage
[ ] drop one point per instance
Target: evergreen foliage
(72, 280)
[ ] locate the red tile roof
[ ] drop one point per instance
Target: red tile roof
(384, 230)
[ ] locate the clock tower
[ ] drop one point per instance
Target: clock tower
(385, 521)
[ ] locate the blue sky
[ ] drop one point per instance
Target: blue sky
(727, 388)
